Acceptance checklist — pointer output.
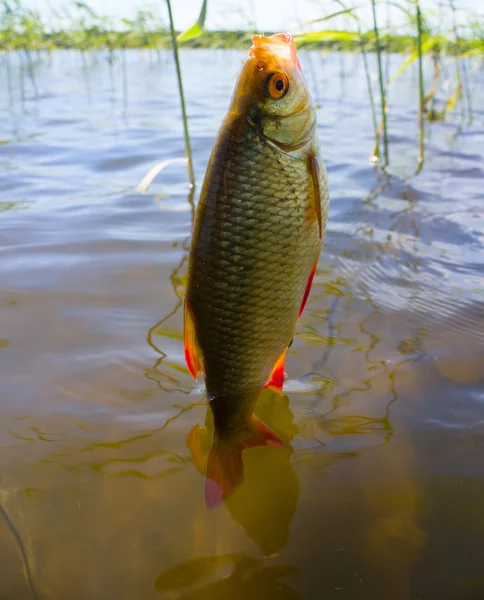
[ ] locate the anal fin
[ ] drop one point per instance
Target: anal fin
(276, 378)
(193, 353)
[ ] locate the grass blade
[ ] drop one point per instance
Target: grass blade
(325, 36)
(196, 29)
(346, 11)
(453, 100)
(424, 47)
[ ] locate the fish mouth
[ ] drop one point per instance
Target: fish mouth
(280, 45)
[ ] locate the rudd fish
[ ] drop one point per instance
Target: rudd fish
(257, 237)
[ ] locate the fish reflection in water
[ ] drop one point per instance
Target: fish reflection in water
(229, 576)
(266, 501)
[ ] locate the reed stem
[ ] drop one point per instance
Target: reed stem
(463, 80)
(376, 150)
(191, 174)
(382, 86)
(421, 120)
(20, 545)
(125, 81)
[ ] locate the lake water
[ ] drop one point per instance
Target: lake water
(380, 492)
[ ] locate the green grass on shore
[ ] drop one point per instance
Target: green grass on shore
(79, 27)
(97, 38)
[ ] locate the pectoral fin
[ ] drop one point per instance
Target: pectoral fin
(314, 173)
(193, 353)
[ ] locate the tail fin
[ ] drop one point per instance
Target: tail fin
(225, 468)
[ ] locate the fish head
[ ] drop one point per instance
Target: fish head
(272, 93)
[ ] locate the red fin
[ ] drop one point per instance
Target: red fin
(225, 468)
(193, 354)
(308, 289)
(276, 378)
(314, 172)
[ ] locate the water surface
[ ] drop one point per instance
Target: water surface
(380, 493)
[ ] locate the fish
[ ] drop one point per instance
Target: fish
(257, 237)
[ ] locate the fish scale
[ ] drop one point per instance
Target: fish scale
(253, 256)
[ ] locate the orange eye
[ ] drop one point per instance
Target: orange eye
(277, 85)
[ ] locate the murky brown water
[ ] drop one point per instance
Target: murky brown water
(380, 493)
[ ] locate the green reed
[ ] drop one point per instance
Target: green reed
(345, 10)
(23, 28)
(421, 116)
(32, 35)
(461, 80)
(191, 174)
(382, 87)
(436, 43)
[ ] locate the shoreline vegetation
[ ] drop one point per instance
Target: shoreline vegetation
(98, 38)
(447, 51)
(79, 27)
(332, 40)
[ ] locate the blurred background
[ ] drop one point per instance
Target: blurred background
(270, 15)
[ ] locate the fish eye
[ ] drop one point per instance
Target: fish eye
(277, 85)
